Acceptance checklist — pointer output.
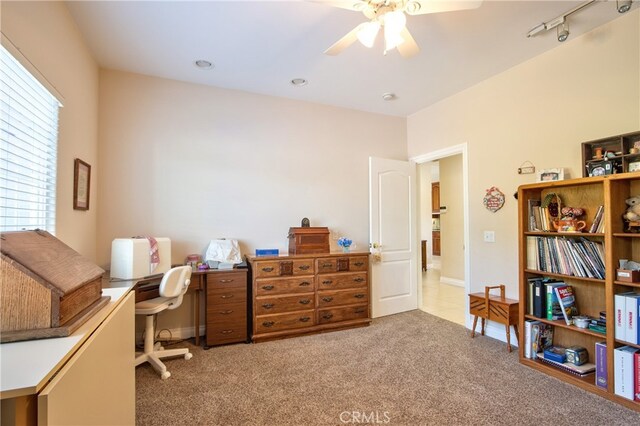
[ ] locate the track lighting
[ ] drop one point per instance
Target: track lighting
(623, 6)
(560, 22)
(563, 31)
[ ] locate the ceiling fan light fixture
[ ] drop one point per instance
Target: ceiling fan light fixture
(623, 6)
(368, 32)
(394, 23)
(203, 64)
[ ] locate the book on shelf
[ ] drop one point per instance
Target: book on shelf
(598, 220)
(636, 376)
(541, 338)
(534, 225)
(601, 365)
(623, 371)
(620, 302)
(555, 353)
(554, 311)
(537, 296)
(578, 370)
(528, 337)
(632, 303)
(567, 301)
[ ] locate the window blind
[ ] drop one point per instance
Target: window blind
(28, 149)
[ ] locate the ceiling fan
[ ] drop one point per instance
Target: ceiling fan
(390, 15)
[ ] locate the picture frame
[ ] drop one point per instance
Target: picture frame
(81, 184)
(548, 175)
(634, 166)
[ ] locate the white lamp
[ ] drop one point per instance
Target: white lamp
(394, 23)
(368, 32)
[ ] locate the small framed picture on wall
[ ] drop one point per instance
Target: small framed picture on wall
(546, 175)
(81, 184)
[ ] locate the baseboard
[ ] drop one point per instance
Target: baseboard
(451, 281)
(494, 330)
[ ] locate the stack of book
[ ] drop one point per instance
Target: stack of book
(568, 256)
(626, 377)
(597, 226)
(537, 337)
(553, 356)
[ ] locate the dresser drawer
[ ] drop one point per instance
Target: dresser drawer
(226, 280)
(219, 334)
(269, 323)
(342, 264)
(326, 316)
(226, 312)
(279, 304)
(283, 268)
(341, 281)
(284, 286)
(217, 296)
(342, 297)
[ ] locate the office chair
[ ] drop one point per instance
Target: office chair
(173, 286)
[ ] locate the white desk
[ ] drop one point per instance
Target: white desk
(31, 369)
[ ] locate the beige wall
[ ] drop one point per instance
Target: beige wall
(47, 36)
(194, 163)
(451, 229)
(539, 111)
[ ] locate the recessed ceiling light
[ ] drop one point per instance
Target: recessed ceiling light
(203, 64)
(299, 82)
(389, 96)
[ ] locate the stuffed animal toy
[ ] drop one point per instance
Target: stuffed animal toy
(633, 211)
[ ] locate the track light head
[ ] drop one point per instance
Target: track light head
(623, 6)
(563, 31)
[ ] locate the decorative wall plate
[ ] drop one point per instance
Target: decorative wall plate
(494, 199)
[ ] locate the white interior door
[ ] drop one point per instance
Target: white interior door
(392, 233)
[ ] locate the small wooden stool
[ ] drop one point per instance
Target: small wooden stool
(494, 308)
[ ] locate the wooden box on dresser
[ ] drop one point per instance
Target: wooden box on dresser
(301, 294)
(592, 294)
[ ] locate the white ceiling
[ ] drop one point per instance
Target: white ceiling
(259, 46)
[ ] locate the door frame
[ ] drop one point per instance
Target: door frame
(438, 155)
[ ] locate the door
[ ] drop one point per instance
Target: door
(392, 234)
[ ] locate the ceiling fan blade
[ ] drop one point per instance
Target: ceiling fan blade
(357, 5)
(408, 47)
(422, 7)
(344, 42)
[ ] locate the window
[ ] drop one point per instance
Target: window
(28, 149)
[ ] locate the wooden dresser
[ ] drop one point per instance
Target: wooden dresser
(301, 294)
(226, 307)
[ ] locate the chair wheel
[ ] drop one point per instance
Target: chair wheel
(188, 355)
(165, 375)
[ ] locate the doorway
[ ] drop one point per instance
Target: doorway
(444, 283)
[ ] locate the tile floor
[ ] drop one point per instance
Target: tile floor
(442, 300)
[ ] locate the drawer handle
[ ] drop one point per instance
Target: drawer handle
(267, 287)
(305, 283)
(359, 279)
(326, 265)
(305, 301)
(327, 299)
(327, 316)
(327, 282)
(226, 312)
(358, 296)
(268, 323)
(305, 319)
(268, 305)
(268, 269)
(226, 281)
(226, 296)
(226, 331)
(358, 263)
(303, 267)
(360, 310)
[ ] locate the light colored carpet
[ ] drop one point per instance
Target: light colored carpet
(406, 369)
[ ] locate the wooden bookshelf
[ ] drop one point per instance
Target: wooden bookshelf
(592, 295)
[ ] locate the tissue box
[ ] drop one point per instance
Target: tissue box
(628, 276)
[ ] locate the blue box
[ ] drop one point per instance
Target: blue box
(267, 252)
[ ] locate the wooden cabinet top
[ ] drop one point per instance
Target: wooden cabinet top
(253, 258)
